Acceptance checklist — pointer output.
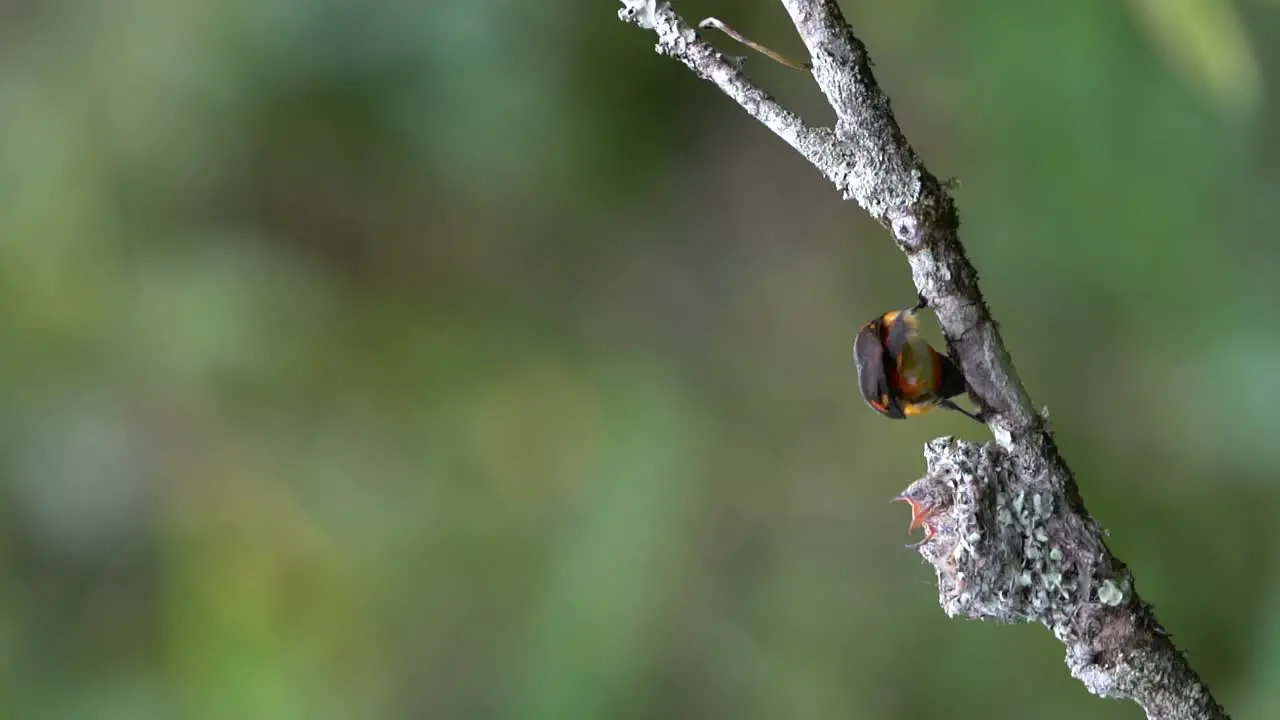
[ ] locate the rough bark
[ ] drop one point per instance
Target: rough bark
(1012, 539)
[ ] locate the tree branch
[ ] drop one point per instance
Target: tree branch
(1012, 539)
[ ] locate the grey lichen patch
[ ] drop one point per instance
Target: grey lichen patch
(1000, 546)
(641, 12)
(1115, 593)
(906, 230)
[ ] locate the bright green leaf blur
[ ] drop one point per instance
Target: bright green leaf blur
(1207, 41)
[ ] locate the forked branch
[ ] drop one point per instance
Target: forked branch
(1012, 540)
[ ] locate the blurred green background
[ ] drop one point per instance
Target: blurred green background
(433, 359)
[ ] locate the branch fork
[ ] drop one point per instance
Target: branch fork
(1006, 529)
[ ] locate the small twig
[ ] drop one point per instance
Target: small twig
(716, 24)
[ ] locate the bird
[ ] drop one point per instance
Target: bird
(900, 375)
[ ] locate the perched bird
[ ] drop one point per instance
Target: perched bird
(899, 374)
